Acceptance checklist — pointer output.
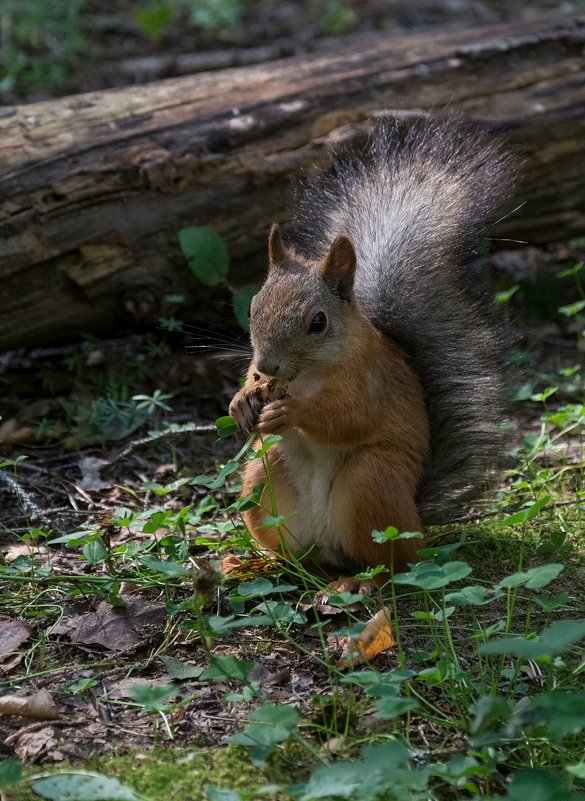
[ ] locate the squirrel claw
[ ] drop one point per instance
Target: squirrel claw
(273, 418)
(245, 408)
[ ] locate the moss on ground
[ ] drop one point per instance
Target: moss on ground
(174, 773)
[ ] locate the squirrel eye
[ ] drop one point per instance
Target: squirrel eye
(318, 323)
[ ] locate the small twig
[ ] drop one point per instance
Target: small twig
(168, 434)
(12, 738)
(29, 506)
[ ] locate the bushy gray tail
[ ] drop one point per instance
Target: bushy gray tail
(415, 200)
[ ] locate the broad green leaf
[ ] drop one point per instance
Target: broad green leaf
(258, 588)
(473, 595)
(227, 667)
(343, 599)
(527, 514)
(388, 535)
(382, 773)
(95, 551)
(76, 538)
(506, 295)
(154, 19)
(533, 579)
(555, 639)
(550, 604)
(216, 483)
(167, 568)
(541, 397)
(83, 787)
(563, 713)
(572, 309)
(267, 443)
(489, 710)
(280, 612)
(539, 784)
(577, 770)
(220, 624)
(390, 708)
(255, 588)
(206, 253)
(10, 773)
(152, 696)
(429, 576)
(225, 426)
(269, 725)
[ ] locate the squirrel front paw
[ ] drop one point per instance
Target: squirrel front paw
(245, 408)
(275, 417)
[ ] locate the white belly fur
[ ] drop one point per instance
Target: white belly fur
(311, 469)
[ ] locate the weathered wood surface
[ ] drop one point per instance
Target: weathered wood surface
(93, 188)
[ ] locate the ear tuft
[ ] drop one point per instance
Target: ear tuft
(338, 267)
(276, 249)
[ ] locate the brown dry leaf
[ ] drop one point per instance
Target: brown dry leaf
(115, 628)
(123, 689)
(14, 550)
(12, 635)
(375, 638)
(39, 706)
(13, 432)
(230, 564)
(37, 744)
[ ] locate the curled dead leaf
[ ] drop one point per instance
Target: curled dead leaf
(39, 706)
(13, 432)
(230, 563)
(375, 638)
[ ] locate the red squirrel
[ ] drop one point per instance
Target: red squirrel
(385, 366)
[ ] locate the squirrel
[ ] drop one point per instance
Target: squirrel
(373, 356)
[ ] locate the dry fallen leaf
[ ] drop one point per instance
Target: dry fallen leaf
(36, 745)
(14, 432)
(375, 638)
(39, 706)
(16, 549)
(12, 635)
(115, 628)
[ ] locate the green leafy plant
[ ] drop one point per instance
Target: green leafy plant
(208, 258)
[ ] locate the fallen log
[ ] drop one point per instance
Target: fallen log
(94, 188)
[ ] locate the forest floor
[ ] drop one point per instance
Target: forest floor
(121, 632)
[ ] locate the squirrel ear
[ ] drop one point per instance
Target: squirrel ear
(276, 249)
(338, 267)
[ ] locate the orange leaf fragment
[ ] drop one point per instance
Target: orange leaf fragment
(375, 638)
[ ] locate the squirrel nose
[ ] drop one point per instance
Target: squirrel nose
(267, 369)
